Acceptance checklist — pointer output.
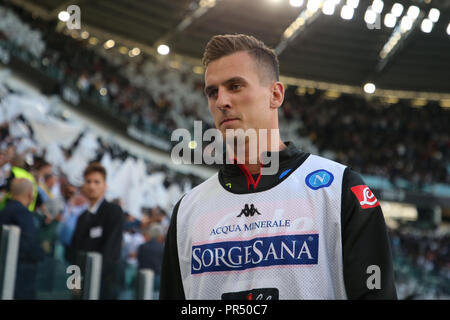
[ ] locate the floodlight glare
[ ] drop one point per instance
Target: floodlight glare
(377, 6)
(413, 12)
(369, 88)
(347, 12)
(397, 9)
(328, 7)
(370, 17)
(296, 3)
(163, 49)
(63, 16)
(390, 20)
(427, 25)
(434, 14)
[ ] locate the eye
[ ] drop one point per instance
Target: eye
(235, 86)
(212, 93)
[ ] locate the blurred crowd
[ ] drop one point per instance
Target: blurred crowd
(393, 141)
(57, 207)
(421, 262)
(59, 202)
(426, 250)
(58, 197)
(147, 94)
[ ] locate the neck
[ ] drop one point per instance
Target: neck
(24, 201)
(253, 158)
(93, 201)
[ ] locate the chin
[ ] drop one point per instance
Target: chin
(232, 126)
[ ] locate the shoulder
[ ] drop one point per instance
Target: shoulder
(316, 160)
(82, 216)
(320, 166)
(5, 214)
(16, 213)
(112, 208)
(320, 172)
(357, 196)
(351, 181)
(16, 208)
(352, 178)
(109, 205)
(202, 191)
(208, 183)
(149, 245)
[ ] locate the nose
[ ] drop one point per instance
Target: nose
(223, 100)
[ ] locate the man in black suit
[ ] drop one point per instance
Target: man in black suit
(16, 213)
(99, 229)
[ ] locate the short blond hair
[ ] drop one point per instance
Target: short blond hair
(223, 45)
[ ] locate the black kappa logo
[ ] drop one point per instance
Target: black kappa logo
(249, 212)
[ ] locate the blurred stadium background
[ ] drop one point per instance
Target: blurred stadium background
(368, 84)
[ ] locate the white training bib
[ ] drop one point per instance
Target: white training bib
(286, 239)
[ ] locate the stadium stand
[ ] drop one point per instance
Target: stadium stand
(59, 148)
(159, 99)
(408, 147)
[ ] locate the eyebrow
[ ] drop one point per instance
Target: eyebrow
(208, 89)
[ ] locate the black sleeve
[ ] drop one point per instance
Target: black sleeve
(365, 243)
(171, 287)
(113, 235)
(111, 249)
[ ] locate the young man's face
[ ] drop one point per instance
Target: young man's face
(94, 186)
(237, 97)
(50, 180)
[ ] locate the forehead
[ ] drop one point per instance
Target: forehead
(239, 64)
(94, 176)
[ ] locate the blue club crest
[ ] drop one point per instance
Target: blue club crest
(319, 179)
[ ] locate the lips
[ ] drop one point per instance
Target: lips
(228, 119)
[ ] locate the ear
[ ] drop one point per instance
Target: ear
(31, 196)
(276, 95)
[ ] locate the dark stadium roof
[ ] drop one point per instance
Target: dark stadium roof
(329, 49)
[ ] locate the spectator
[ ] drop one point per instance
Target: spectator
(74, 205)
(99, 229)
(46, 180)
(6, 152)
(16, 213)
(150, 254)
(411, 143)
(18, 170)
(422, 262)
(132, 239)
(48, 205)
(53, 213)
